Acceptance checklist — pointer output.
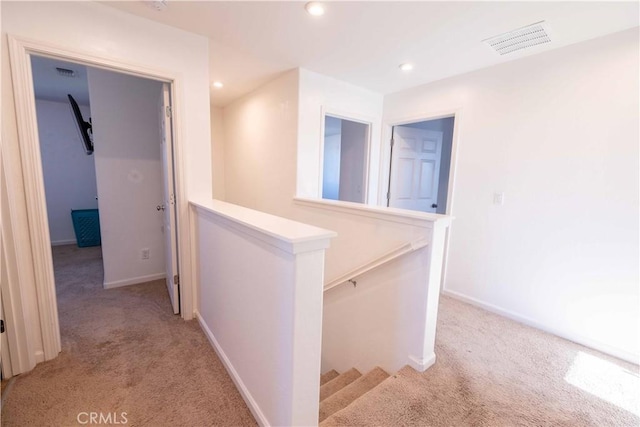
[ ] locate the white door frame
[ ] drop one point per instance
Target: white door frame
(385, 159)
(20, 50)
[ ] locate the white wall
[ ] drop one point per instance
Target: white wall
(260, 147)
(261, 140)
(388, 319)
(69, 173)
(353, 161)
(217, 152)
(558, 133)
(128, 158)
(264, 321)
(101, 30)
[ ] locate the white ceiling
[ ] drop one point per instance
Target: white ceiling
(364, 42)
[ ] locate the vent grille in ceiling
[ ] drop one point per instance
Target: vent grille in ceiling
(65, 72)
(159, 5)
(522, 38)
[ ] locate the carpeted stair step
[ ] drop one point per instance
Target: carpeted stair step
(390, 403)
(343, 397)
(328, 376)
(339, 382)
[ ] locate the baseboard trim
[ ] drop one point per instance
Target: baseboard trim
(64, 242)
(422, 365)
(578, 339)
(133, 281)
(246, 394)
(7, 389)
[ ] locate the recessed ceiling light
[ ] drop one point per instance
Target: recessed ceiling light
(217, 85)
(315, 8)
(406, 66)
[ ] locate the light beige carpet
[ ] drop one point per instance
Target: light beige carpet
(123, 350)
(491, 371)
(351, 392)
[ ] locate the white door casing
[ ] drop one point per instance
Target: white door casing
(5, 357)
(31, 231)
(415, 169)
(169, 202)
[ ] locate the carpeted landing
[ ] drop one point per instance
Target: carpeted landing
(123, 350)
(491, 371)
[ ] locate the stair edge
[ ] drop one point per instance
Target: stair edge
(337, 379)
(325, 422)
(346, 391)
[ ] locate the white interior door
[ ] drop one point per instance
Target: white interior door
(168, 206)
(415, 169)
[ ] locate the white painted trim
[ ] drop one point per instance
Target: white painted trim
(185, 254)
(7, 390)
(42, 48)
(455, 143)
(403, 216)
(246, 395)
(290, 236)
(20, 50)
(134, 281)
(21, 347)
(422, 365)
(38, 225)
(5, 356)
(193, 248)
(64, 242)
(578, 339)
(385, 159)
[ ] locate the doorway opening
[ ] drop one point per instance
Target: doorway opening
(29, 229)
(63, 115)
(129, 160)
(420, 165)
(106, 146)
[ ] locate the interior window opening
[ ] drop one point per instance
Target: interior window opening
(345, 159)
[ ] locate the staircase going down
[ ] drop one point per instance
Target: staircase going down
(337, 391)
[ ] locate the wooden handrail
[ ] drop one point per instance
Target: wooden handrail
(383, 259)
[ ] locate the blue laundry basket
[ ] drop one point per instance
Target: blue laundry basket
(86, 224)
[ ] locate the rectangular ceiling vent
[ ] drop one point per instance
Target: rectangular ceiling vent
(65, 72)
(522, 38)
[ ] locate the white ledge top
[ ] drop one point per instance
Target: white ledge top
(289, 235)
(383, 212)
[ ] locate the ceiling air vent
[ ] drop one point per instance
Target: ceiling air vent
(159, 5)
(522, 38)
(65, 72)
